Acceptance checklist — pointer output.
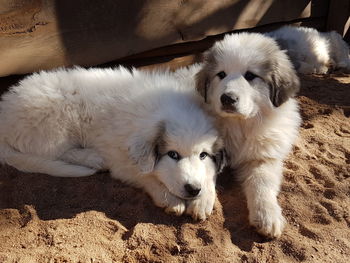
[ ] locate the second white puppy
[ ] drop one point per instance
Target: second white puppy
(145, 127)
(248, 84)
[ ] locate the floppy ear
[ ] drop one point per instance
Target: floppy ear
(284, 82)
(143, 147)
(220, 157)
(220, 160)
(203, 76)
(202, 82)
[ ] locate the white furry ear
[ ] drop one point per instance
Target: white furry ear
(143, 147)
(203, 76)
(284, 82)
(202, 82)
(220, 157)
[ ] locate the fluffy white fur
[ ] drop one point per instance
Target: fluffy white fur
(75, 122)
(261, 124)
(312, 51)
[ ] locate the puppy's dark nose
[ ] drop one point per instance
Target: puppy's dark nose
(228, 99)
(192, 190)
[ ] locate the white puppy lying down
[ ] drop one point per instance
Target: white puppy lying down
(146, 128)
(312, 51)
(248, 84)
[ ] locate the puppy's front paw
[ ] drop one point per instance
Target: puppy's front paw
(322, 69)
(174, 205)
(168, 201)
(95, 161)
(268, 220)
(163, 198)
(201, 207)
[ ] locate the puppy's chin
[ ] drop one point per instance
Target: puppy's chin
(231, 113)
(183, 195)
(190, 198)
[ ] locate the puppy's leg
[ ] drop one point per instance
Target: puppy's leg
(339, 51)
(27, 162)
(322, 68)
(202, 207)
(261, 186)
(306, 68)
(161, 196)
(85, 157)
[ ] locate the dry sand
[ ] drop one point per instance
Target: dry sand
(97, 219)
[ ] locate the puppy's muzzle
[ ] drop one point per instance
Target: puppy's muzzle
(228, 102)
(192, 190)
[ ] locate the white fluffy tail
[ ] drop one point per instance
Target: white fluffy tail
(36, 164)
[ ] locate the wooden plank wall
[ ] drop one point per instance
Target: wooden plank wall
(339, 17)
(42, 34)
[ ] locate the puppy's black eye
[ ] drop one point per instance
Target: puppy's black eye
(250, 76)
(221, 74)
(203, 155)
(174, 155)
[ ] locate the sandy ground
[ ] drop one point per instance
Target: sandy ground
(97, 219)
